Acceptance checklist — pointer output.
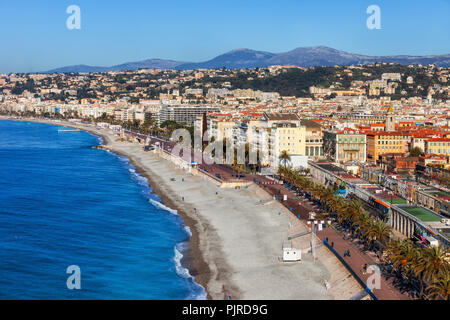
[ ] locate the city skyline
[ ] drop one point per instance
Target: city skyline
(38, 38)
(232, 151)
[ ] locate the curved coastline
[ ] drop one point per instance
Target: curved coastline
(235, 244)
(192, 259)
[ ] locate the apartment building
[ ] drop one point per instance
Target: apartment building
(391, 76)
(345, 145)
(194, 92)
(142, 116)
(221, 128)
(247, 131)
(289, 137)
(314, 139)
(362, 118)
(183, 113)
(382, 142)
(440, 146)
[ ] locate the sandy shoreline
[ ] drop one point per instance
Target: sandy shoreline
(235, 245)
(193, 261)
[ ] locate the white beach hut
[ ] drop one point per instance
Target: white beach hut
(291, 254)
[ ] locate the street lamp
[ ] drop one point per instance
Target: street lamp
(313, 222)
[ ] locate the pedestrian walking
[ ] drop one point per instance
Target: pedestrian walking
(365, 268)
(345, 253)
(348, 252)
(332, 244)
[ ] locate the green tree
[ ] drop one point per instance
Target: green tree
(285, 157)
(440, 288)
(415, 152)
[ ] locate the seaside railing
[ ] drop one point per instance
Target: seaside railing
(353, 273)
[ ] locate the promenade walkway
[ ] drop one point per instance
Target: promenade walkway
(301, 207)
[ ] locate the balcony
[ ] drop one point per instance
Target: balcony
(351, 147)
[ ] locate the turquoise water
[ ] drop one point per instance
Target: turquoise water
(64, 203)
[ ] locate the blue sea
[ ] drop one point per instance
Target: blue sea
(64, 203)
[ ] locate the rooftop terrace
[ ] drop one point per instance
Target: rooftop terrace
(422, 213)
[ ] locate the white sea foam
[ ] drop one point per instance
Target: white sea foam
(182, 272)
(142, 180)
(199, 292)
(159, 205)
(122, 158)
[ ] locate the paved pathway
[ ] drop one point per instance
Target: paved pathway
(357, 257)
(301, 207)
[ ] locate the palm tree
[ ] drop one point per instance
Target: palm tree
(326, 195)
(350, 212)
(361, 224)
(336, 204)
(356, 206)
(285, 157)
(434, 261)
(236, 165)
(431, 264)
(380, 232)
(403, 255)
(427, 267)
(440, 288)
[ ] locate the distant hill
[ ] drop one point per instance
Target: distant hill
(307, 57)
(145, 64)
(247, 58)
(236, 59)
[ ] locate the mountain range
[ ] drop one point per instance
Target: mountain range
(247, 58)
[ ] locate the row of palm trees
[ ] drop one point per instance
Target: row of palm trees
(427, 268)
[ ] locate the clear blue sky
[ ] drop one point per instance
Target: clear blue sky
(35, 37)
